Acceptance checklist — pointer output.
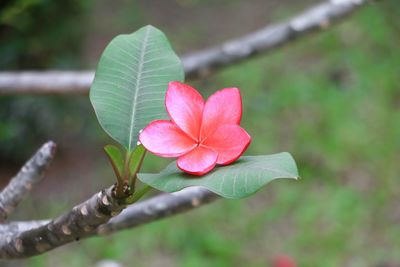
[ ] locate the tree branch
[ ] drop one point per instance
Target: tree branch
(24, 239)
(159, 207)
(197, 64)
(316, 18)
(30, 174)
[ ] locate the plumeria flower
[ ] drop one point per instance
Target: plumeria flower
(202, 134)
(284, 261)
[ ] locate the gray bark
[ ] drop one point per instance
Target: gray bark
(25, 239)
(20, 241)
(30, 174)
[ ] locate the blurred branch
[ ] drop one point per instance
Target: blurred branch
(45, 82)
(197, 64)
(316, 18)
(24, 239)
(30, 174)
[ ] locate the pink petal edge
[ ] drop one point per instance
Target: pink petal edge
(222, 107)
(185, 107)
(229, 141)
(165, 139)
(199, 161)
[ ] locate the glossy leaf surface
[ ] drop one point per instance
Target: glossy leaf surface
(240, 179)
(131, 79)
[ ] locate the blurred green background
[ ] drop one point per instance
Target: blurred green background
(331, 99)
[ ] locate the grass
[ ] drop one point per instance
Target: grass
(333, 101)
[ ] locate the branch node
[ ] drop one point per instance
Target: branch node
(84, 210)
(65, 229)
(18, 246)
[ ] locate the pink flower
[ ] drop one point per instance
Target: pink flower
(284, 261)
(202, 134)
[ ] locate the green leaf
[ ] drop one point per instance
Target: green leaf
(136, 159)
(131, 79)
(240, 179)
(114, 154)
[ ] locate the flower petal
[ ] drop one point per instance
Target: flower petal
(223, 107)
(230, 141)
(165, 139)
(185, 107)
(199, 161)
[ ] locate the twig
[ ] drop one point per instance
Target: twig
(197, 64)
(24, 239)
(30, 174)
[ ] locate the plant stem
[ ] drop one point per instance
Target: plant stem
(139, 194)
(126, 166)
(122, 189)
(132, 163)
(139, 165)
(119, 189)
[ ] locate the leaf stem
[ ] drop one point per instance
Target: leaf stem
(135, 163)
(122, 189)
(134, 176)
(138, 195)
(125, 186)
(126, 166)
(119, 189)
